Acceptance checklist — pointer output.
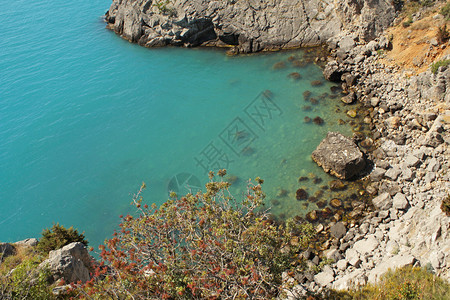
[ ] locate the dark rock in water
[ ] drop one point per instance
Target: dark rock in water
(318, 194)
(268, 93)
(231, 179)
(317, 180)
(318, 121)
(307, 119)
(335, 89)
(312, 216)
(279, 65)
(312, 199)
(322, 203)
(316, 83)
(282, 193)
(295, 75)
(306, 108)
(275, 202)
(299, 63)
(338, 230)
(313, 101)
(301, 194)
(291, 58)
(349, 99)
(306, 95)
(326, 212)
(341, 122)
(335, 203)
(248, 151)
(337, 185)
(302, 178)
(339, 156)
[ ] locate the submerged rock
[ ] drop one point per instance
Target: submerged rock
(318, 120)
(301, 194)
(339, 156)
(295, 75)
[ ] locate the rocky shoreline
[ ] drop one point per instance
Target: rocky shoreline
(409, 120)
(246, 26)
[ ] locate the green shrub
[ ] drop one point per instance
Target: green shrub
(26, 281)
(408, 22)
(204, 246)
(406, 283)
(445, 11)
(59, 236)
(442, 63)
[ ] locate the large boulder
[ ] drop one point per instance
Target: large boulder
(339, 156)
(72, 263)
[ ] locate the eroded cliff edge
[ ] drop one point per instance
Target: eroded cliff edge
(247, 25)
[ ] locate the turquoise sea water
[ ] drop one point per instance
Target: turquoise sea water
(85, 117)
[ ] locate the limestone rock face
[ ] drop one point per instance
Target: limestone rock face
(339, 156)
(71, 262)
(250, 26)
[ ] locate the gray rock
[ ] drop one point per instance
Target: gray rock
(433, 165)
(339, 156)
(332, 254)
(249, 26)
(72, 262)
(323, 278)
(374, 101)
(377, 174)
(407, 174)
(400, 201)
(411, 161)
(436, 259)
(394, 262)
(352, 257)
(383, 201)
(31, 242)
(338, 230)
(342, 265)
(367, 245)
(430, 177)
(6, 250)
(393, 173)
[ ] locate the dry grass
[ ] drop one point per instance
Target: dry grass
(412, 47)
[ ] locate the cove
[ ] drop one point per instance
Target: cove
(86, 117)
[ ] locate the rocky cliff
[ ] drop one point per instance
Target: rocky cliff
(247, 25)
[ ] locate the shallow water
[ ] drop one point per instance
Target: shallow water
(85, 117)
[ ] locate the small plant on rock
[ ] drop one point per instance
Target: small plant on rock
(445, 205)
(59, 236)
(442, 63)
(442, 34)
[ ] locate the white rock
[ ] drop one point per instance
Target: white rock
(324, 278)
(367, 245)
(400, 201)
(394, 262)
(383, 201)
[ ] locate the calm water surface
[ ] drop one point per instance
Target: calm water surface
(85, 117)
